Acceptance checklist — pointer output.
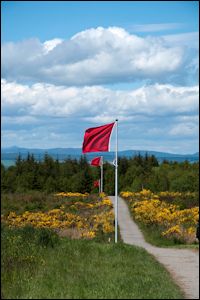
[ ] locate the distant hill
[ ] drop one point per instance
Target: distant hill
(11, 153)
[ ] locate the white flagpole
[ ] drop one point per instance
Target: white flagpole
(116, 182)
(101, 174)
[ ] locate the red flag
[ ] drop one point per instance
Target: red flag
(96, 139)
(96, 161)
(96, 183)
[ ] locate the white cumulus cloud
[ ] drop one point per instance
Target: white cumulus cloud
(95, 102)
(95, 56)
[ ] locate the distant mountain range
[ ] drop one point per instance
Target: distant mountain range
(11, 153)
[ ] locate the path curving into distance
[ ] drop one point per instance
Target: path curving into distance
(183, 264)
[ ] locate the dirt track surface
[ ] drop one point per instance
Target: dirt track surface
(183, 264)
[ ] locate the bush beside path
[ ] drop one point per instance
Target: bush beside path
(183, 264)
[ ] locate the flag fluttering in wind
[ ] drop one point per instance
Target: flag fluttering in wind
(96, 183)
(97, 161)
(96, 139)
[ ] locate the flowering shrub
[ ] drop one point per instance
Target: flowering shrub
(88, 218)
(70, 194)
(173, 222)
(184, 200)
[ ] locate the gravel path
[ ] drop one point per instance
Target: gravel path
(183, 264)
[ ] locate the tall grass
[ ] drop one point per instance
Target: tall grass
(152, 235)
(32, 201)
(37, 264)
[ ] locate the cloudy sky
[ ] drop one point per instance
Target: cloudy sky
(68, 66)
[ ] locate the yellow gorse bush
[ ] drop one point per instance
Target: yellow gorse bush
(70, 194)
(107, 201)
(88, 224)
(89, 234)
(173, 221)
(102, 195)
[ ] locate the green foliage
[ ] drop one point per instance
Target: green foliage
(32, 201)
(73, 175)
(75, 269)
(29, 235)
(35, 201)
(50, 185)
(47, 237)
(109, 179)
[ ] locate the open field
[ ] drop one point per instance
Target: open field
(37, 264)
(62, 246)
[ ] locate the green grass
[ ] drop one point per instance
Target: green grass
(33, 201)
(38, 265)
(39, 201)
(153, 236)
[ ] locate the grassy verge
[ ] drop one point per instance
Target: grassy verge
(153, 236)
(37, 264)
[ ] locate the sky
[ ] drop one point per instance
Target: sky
(71, 65)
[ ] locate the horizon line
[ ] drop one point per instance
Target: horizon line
(161, 151)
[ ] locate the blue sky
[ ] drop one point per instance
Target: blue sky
(71, 65)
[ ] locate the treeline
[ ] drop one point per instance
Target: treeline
(75, 175)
